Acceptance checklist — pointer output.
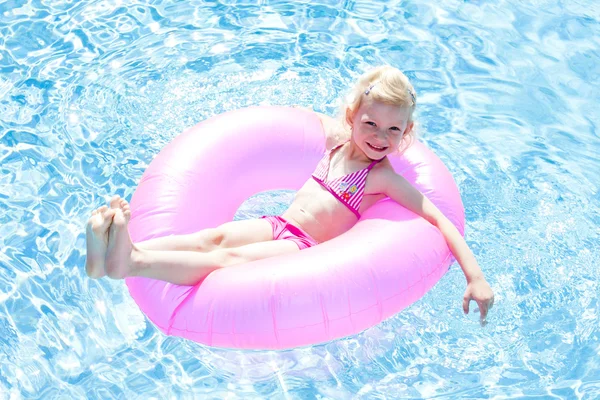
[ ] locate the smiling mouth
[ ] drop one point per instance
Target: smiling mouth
(376, 148)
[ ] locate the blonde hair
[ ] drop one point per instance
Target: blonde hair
(387, 85)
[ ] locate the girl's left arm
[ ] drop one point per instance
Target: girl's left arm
(401, 191)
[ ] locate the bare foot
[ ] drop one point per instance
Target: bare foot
(126, 210)
(120, 250)
(96, 238)
(117, 202)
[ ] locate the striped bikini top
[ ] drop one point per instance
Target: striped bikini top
(350, 188)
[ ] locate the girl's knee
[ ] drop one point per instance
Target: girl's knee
(225, 257)
(209, 239)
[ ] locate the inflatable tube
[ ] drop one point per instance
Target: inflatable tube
(387, 261)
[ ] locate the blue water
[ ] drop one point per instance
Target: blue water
(90, 91)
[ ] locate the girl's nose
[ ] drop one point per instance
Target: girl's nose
(382, 133)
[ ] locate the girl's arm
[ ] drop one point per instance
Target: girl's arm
(401, 191)
(331, 127)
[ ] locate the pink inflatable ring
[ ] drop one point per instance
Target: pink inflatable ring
(387, 261)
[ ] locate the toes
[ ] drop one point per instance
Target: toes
(100, 221)
(126, 209)
(107, 216)
(98, 225)
(99, 210)
(115, 201)
(124, 204)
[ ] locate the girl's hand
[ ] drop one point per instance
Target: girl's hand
(479, 290)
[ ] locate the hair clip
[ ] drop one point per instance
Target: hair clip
(414, 98)
(369, 89)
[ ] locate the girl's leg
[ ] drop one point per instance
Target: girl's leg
(180, 267)
(230, 234)
(190, 267)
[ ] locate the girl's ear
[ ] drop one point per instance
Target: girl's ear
(349, 117)
(409, 128)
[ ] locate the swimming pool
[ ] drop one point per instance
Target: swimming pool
(90, 91)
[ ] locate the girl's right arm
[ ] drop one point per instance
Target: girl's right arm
(331, 127)
(332, 130)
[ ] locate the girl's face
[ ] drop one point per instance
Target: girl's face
(378, 129)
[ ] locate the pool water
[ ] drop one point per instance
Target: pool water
(90, 91)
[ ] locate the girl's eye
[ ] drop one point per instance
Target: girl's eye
(395, 128)
(371, 123)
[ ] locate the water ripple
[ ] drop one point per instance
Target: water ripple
(91, 91)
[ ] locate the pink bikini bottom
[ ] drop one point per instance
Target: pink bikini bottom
(284, 230)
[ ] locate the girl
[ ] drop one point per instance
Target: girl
(352, 176)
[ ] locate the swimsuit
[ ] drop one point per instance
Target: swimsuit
(284, 230)
(350, 188)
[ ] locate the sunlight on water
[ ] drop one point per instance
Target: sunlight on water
(91, 91)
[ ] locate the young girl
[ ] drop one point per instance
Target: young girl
(377, 121)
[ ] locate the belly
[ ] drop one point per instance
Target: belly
(319, 213)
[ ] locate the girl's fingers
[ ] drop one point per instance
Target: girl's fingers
(466, 304)
(483, 308)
